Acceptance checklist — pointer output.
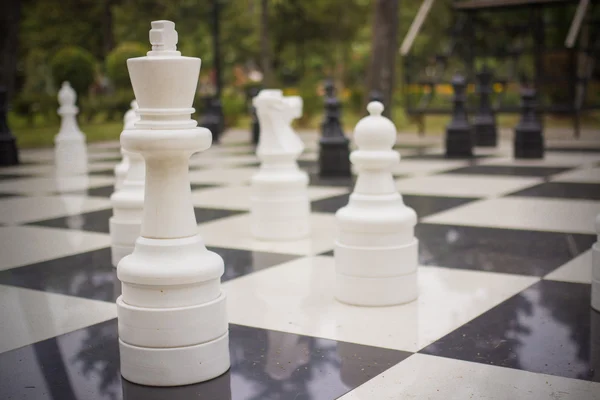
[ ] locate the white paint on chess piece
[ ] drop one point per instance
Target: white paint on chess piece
(596, 269)
(279, 203)
(70, 153)
(122, 167)
(173, 327)
(376, 251)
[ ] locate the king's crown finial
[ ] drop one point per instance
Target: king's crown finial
(163, 38)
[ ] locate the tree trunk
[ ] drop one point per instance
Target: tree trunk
(10, 15)
(384, 49)
(265, 45)
(108, 39)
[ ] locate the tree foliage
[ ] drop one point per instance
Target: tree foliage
(116, 62)
(75, 65)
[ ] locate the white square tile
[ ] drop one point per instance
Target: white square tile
(550, 160)
(29, 316)
(464, 185)
(577, 270)
(422, 376)
(530, 213)
(238, 197)
(28, 209)
(298, 297)
(223, 176)
(23, 245)
(584, 175)
(234, 232)
(51, 184)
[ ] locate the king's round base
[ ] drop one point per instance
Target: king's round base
(175, 366)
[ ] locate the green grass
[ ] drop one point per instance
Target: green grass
(43, 136)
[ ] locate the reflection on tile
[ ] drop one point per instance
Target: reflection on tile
(266, 365)
(578, 270)
(548, 328)
(558, 215)
(22, 245)
(243, 262)
(234, 232)
(426, 377)
(29, 316)
(509, 170)
(89, 275)
(464, 185)
(27, 209)
(508, 251)
(562, 190)
(298, 297)
(96, 221)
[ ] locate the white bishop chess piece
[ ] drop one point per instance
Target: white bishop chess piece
(376, 251)
(70, 153)
(173, 327)
(128, 200)
(122, 167)
(279, 203)
(596, 268)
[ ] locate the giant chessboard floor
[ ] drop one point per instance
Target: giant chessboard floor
(503, 313)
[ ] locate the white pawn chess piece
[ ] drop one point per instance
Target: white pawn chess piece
(122, 167)
(70, 152)
(173, 327)
(596, 268)
(376, 251)
(279, 203)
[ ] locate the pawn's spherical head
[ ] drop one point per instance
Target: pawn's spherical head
(375, 132)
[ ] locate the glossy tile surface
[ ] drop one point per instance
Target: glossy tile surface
(508, 170)
(270, 365)
(548, 328)
(51, 184)
(588, 175)
(95, 221)
(562, 190)
(27, 209)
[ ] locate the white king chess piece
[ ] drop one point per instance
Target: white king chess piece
(376, 251)
(279, 203)
(596, 268)
(122, 167)
(70, 153)
(173, 327)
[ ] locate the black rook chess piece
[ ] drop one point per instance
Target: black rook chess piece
(459, 134)
(212, 117)
(254, 124)
(9, 154)
(529, 137)
(334, 156)
(484, 121)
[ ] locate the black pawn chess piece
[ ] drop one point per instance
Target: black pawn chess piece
(484, 121)
(334, 156)
(529, 137)
(9, 154)
(254, 124)
(459, 134)
(212, 117)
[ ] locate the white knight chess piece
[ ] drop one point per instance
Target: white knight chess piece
(70, 152)
(279, 203)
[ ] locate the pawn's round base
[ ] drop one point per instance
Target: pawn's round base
(123, 235)
(376, 292)
(175, 366)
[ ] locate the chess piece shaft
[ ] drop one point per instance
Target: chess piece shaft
(70, 149)
(484, 121)
(529, 135)
(459, 135)
(334, 145)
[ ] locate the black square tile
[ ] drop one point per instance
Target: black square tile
(210, 214)
(5, 195)
(548, 328)
(94, 221)
(100, 191)
(6, 177)
(443, 157)
(199, 186)
(562, 190)
(509, 170)
(341, 181)
(510, 251)
(243, 262)
(423, 205)
(89, 275)
(559, 149)
(265, 365)
(104, 172)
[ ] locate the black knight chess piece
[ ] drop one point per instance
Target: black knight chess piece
(529, 135)
(484, 121)
(9, 154)
(334, 156)
(459, 133)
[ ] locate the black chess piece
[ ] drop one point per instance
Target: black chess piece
(376, 95)
(9, 154)
(334, 156)
(529, 135)
(459, 134)
(254, 123)
(212, 117)
(484, 121)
